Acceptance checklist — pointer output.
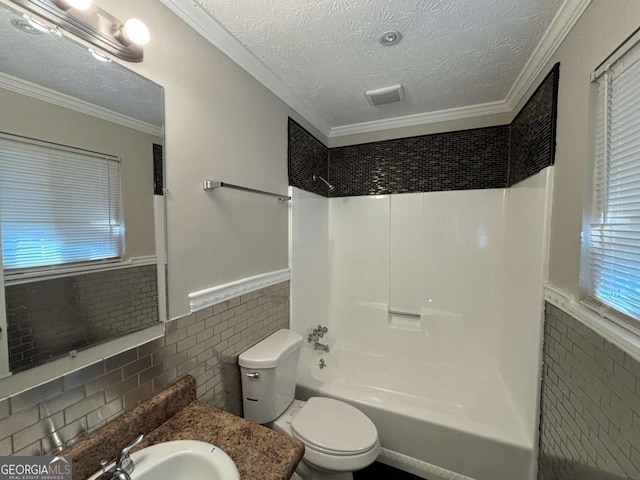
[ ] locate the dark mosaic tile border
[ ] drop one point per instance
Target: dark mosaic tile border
(533, 131)
(463, 160)
(307, 156)
(492, 157)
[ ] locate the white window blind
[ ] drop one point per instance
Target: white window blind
(57, 205)
(614, 237)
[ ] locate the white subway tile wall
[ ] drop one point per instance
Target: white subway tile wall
(99, 306)
(590, 415)
(205, 344)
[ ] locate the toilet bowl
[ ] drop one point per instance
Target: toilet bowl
(338, 438)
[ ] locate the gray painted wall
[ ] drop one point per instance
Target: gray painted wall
(600, 30)
(221, 123)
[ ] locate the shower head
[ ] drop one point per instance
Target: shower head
(318, 177)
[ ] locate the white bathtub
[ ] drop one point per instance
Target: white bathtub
(452, 380)
(437, 420)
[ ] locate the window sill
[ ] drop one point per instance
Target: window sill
(623, 338)
(36, 275)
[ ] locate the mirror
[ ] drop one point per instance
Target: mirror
(81, 138)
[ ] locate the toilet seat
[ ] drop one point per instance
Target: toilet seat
(340, 463)
(332, 427)
(328, 459)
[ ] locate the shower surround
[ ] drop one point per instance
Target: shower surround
(434, 308)
(427, 264)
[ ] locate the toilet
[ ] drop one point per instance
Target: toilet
(338, 438)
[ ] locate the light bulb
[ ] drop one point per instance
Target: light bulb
(79, 4)
(135, 31)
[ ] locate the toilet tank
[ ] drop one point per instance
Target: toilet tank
(268, 372)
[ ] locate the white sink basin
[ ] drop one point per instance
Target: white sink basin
(182, 459)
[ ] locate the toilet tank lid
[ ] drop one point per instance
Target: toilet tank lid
(270, 351)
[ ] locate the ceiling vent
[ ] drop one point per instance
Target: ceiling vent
(382, 96)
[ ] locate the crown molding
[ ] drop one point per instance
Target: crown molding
(212, 296)
(421, 119)
(23, 87)
(198, 19)
(567, 16)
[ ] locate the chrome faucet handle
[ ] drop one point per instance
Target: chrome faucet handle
(103, 465)
(313, 337)
(124, 463)
(320, 331)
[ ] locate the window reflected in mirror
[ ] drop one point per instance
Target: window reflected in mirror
(78, 140)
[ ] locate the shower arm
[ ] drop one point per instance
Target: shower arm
(318, 177)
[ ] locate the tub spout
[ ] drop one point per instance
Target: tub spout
(321, 346)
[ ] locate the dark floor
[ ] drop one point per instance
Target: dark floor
(380, 471)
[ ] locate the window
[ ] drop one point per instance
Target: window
(611, 260)
(58, 205)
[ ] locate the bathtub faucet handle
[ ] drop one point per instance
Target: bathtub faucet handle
(320, 331)
(313, 338)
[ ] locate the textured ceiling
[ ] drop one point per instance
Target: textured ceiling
(65, 66)
(454, 53)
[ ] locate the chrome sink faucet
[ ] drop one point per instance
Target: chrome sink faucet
(124, 465)
(315, 337)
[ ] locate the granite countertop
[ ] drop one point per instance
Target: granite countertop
(259, 452)
(174, 414)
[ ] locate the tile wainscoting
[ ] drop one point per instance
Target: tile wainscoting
(204, 344)
(98, 306)
(590, 406)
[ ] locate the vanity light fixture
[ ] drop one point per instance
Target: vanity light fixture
(123, 40)
(99, 56)
(37, 25)
(24, 25)
(78, 4)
